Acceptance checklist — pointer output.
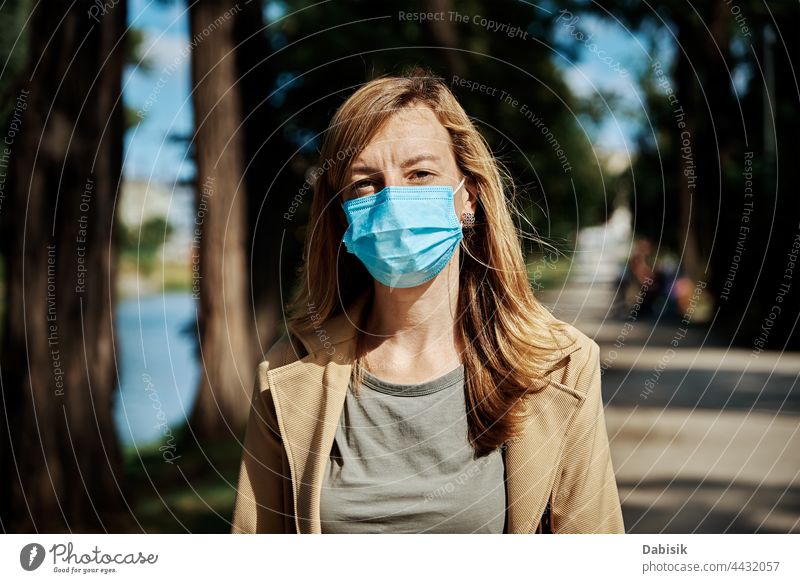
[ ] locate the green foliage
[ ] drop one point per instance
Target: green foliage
(141, 244)
(323, 53)
(13, 52)
(135, 50)
(734, 79)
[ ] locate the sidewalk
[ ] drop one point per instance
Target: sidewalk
(704, 438)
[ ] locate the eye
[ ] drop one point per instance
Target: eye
(361, 186)
(421, 174)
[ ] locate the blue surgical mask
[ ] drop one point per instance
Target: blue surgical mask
(404, 235)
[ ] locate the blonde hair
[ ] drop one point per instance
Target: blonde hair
(509, 337)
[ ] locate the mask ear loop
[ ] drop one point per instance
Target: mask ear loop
(460, 184)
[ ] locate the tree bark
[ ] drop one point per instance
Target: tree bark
(269, 191)
(445, 35)
(59, 454)
(227, 365)
(704, 90)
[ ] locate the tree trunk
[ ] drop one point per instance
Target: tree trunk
(269, 191)
(444, 34)
(704, 91)
(59, 454)
(221, 285)
(687, 149)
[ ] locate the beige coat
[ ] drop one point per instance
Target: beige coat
(561, 458)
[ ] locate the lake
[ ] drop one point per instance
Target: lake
(157, 350)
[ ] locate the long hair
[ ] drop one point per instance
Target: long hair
(510, 338)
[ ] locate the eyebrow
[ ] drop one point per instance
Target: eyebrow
(406, 163)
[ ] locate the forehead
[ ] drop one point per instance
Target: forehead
(410, 130)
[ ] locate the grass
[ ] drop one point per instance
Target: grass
(195, 493)
(154, 278)
(546, 272)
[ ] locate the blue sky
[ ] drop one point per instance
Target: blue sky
(163, 96)
(611, 59)
(163, 93)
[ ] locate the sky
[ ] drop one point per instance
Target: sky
(161, 95)
(611, 59)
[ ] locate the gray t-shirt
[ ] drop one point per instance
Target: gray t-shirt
(401, 463)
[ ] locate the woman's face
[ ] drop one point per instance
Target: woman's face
(411, 149)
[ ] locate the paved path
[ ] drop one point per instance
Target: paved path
(705, 438)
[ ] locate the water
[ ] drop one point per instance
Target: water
(156, 347)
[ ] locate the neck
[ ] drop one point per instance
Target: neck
(414, 318)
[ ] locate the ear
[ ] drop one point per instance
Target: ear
(469, 195)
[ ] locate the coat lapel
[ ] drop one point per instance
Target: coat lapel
(308, 401)
(309, 396)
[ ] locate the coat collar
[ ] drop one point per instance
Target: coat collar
(309, 396)
(337, 331)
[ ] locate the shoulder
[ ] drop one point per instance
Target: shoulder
(587, 348)
(582, 362)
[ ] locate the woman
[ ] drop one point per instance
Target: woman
(421, 386)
